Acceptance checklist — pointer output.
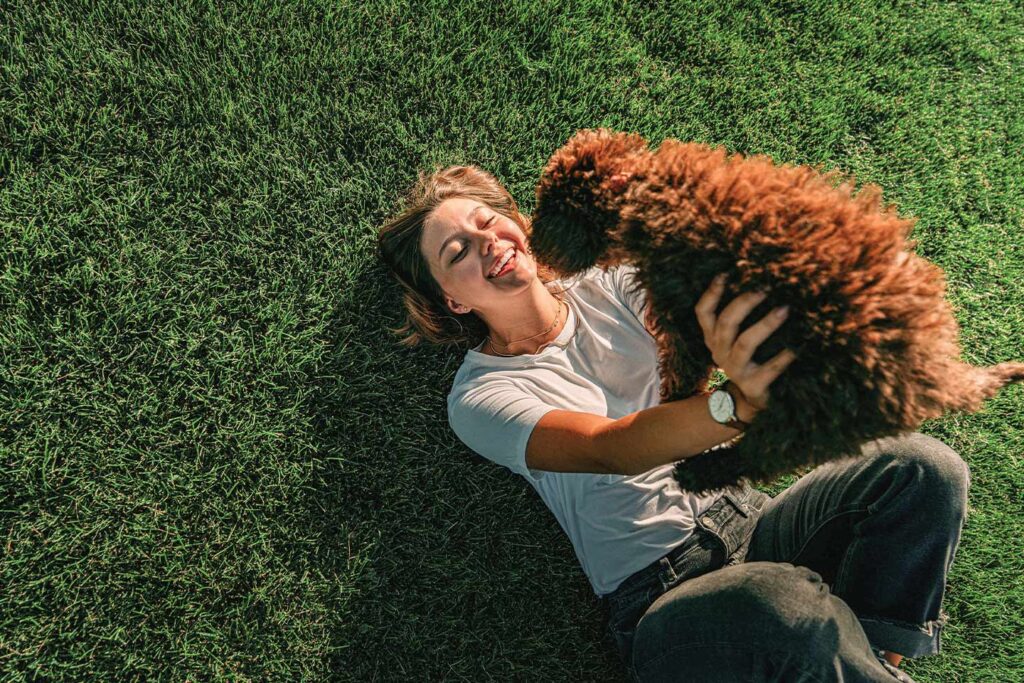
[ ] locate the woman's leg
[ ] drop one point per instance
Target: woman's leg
(881, 530)
(756, 622)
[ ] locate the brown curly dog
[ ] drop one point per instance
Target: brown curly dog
(876, 338)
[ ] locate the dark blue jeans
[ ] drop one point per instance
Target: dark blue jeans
(747, 597)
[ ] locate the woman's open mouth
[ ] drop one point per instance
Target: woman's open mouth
(509, 265)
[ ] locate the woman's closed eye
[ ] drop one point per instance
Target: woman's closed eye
(459, 255)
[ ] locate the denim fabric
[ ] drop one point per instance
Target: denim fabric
(801, 587)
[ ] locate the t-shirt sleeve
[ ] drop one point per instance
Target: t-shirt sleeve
(495, 419)
(627, 288)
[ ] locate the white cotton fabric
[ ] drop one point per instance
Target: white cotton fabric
(603, 362)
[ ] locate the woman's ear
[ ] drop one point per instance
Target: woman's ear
(456, 307)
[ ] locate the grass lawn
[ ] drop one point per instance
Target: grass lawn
(217, 462)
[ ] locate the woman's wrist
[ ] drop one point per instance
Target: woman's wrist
(745, 411)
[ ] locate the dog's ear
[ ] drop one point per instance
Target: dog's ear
(579, 196)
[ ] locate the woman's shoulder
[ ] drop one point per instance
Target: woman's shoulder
(605, 278)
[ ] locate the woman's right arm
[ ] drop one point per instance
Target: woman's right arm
(575, 442)
(681, 429)
(568, 441)
(664, 433)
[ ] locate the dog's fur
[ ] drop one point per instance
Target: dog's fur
(876, 339)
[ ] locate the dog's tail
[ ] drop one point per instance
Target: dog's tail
(1003, 374)
(986, 382)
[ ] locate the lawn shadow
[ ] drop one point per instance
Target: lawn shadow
(443, 559)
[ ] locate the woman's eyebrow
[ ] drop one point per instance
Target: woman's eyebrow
(469, 219)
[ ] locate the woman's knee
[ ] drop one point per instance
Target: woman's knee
(763, 605)
(939, 470)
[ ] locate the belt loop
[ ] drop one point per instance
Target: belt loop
(667, 570)
(741, 507)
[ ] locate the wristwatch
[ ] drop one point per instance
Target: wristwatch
(723, 408)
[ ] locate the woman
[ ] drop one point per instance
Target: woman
(560, 384)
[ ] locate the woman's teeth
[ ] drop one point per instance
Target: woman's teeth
(507, 266)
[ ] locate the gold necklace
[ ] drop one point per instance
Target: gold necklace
(558, 313)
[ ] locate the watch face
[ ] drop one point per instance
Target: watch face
(720, 405)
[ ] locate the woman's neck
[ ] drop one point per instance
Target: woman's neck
(533, 315)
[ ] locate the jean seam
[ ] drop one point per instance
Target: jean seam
(839, 583)
(732, 645)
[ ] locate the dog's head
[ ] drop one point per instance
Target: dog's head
(579, 197)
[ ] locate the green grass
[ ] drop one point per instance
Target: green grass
(217, 462)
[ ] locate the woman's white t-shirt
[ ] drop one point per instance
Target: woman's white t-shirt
(604, 361)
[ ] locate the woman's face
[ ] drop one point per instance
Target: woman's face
(462, 242)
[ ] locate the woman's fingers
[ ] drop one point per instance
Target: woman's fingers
(728, 324)
(720, 332)
(769, 371)
(747, 343)
(706, 305)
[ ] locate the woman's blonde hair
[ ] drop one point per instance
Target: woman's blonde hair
(428, 319)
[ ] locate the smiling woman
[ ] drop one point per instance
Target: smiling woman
(849, 563)
(459, 249)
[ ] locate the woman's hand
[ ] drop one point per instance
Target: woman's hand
(733, 355)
